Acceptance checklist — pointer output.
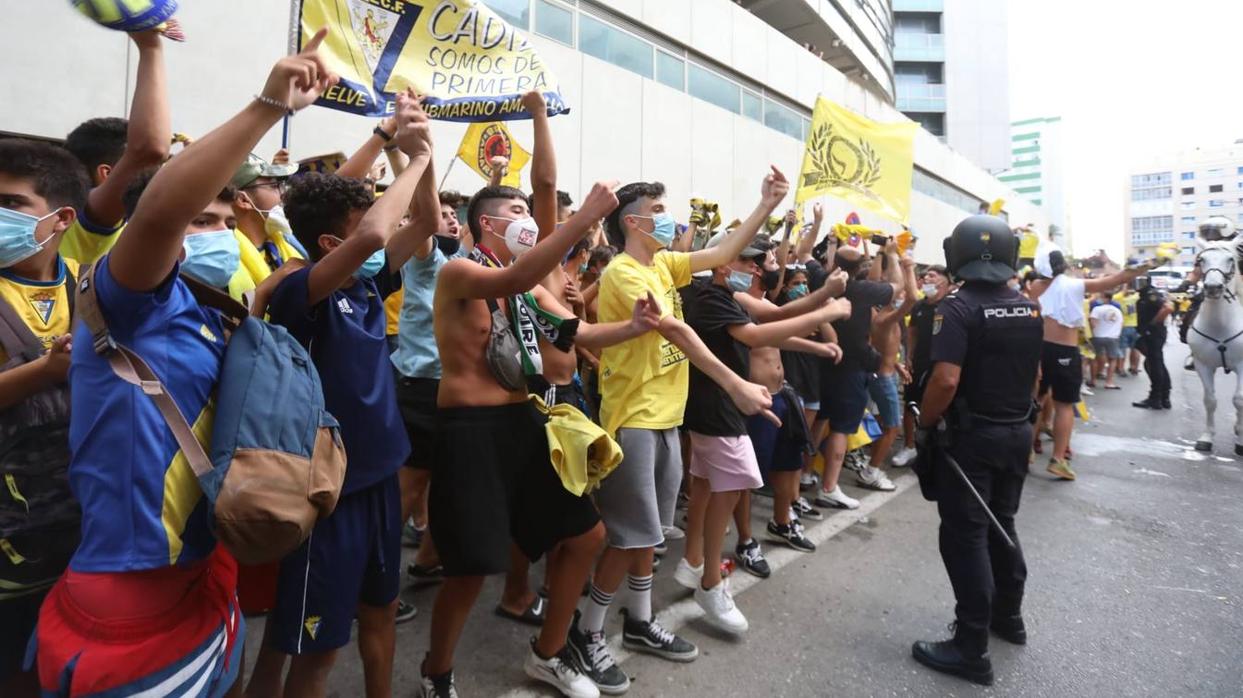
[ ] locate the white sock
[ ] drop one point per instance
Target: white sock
(640, 606)
(598, 603)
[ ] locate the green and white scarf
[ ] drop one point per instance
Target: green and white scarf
(529, 321)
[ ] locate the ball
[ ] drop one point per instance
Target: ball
(127, 15)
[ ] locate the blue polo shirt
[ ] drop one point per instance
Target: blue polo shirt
(141, 504)
(345, 335)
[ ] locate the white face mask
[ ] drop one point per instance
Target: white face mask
(929, 290)
(520, 235)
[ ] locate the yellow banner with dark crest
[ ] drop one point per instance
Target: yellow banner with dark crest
(854, 158)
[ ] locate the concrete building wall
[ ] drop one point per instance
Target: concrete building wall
(623, 126)
(977, 81)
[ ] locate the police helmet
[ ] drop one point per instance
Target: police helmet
(1216, 228)
(982, 248)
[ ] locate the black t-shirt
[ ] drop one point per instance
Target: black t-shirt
(995, 335)
(1150, 302)
(710, 309)
(922, 316)
(802, 370)
(854, 331)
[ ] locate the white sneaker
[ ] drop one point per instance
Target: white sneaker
(874, 479)
(560, 673)
(719, 609)
(806, 481)
(688, 576)
(673, 533)
(837, 499)
(903, 458)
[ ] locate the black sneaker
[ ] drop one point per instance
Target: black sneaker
(425, 576)
(752, 559)
(406, 612)
(791, 535)
(649, 637)
(592, 657)
(805, 510)
(437, 687)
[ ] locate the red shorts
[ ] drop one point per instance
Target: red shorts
(168, 631)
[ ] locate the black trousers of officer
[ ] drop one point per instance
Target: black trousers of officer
(986, 573)
(1152, 345)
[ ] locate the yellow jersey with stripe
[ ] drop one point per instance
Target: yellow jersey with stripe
(142, 507)
(42, 305)
(85, 242)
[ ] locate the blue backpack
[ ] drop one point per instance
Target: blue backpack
(276, 462)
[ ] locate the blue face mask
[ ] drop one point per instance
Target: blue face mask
(664, 228)
(797, 291)
(740, 281)
(212, 257)
(17, 236)
(372, 266)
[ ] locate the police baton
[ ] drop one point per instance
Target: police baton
(966, 481)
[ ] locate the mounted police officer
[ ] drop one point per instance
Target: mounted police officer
(986, 347)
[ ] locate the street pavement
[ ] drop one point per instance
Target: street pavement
(1134, 588)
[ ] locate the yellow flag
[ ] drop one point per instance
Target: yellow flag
(859, 160)
(470, 64)
(483, 142)
(994, 209)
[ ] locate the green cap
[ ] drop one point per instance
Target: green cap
(256, 167)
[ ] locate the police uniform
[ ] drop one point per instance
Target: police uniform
(994, 335)
(1151, 344)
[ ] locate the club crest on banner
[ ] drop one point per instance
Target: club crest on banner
(373, 27)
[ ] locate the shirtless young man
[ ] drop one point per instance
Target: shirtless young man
(492, 478)
(887, 341)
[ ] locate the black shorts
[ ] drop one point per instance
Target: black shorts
(20, 616)
(569, 394)
(843, 399)
(416, 399)
(1061, 370)
(493, 482)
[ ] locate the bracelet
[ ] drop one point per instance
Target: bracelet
(275, 104)
(390, 148)
(382, 133)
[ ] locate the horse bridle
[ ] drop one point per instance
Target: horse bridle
(1226, 278)
(1229, 297)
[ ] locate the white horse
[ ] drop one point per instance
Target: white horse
(1216, 337)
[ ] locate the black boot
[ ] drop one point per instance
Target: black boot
(965, 656)
(1007, 621)
(1152, 402)
(1165, 401)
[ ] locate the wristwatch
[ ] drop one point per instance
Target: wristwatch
(382, 133)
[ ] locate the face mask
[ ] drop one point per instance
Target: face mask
(740, 281)
(520, 235)
(929, 290)
(211, 257)
(372, 266)
(797, 291)
(448, 246)
(769, 279)
(664, 228)
(582, 268)
(17, 236)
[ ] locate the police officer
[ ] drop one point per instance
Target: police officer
(985, 353)
(1150, 313)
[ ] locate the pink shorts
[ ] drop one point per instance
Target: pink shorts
(726, 462)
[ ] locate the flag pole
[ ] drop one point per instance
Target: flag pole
(447, 171)
(295, 38)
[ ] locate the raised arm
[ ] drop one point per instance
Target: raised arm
(148, 137)
(543, 165)
(772, 192)
(907, 274)
(360, 163)
(151, 245)
(378, 225)
(500, 167)
(771, 334)
(465, 279)
(765, 311)
(417, 237)
(807, 242)
(1116, 279)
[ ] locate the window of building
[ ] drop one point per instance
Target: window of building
(1188, 219)
(782, 119)
(1216, 203)
(1150, 180)
(933, 123)
(608, 43)
(1189, 234)
(554, 21)
(516, 12)
(1240, 171)
(752, 106)
(1214, 172)
(671, 70)
(1187, 205)
(1214, 188)
(711, 87)
(1188, 191)
(1188, 176)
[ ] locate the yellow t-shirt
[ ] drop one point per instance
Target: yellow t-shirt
(42, 305)
(1028, 242)
(392, 311)
(643, 382)
(84, 242)
(1128, 301)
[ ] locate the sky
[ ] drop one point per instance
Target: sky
(1131, 79)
